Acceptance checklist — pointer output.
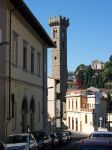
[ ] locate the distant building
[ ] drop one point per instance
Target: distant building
(97, 65)
(71, 85)
(84, 110)
(23, 69)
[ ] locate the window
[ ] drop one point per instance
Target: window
(55, 58)
(85, 118)
(63, 34)
(15, 48)
(32, 60)
(72, 105)
(12, 98)
(54, 32)
(38, 111)
(38, 63)
(0, 35)
(63, 45)
(69, 105)
(24, 55)
(76, 104)
(55, 43)
(83, 105)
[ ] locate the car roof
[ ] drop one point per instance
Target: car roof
(93, 141)
(20, 134)
(100, 132)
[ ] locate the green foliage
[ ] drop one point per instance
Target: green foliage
(110, 59)
(89, 77)
(107, 74)
(109, 103)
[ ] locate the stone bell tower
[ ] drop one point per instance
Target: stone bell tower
(59, 26)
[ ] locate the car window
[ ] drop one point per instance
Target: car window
(16, 139)
(38, 134)
(101, 135)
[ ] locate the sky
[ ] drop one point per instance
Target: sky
(89, 35)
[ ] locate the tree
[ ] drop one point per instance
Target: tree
(107, 74)
(109, 103)
(110, 59)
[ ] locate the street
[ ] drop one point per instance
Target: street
(75, 140)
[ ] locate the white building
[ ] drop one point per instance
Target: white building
(84, 109)
(97, 65)
(53, 111)
(23, 69)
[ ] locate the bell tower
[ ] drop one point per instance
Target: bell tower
(59, 26)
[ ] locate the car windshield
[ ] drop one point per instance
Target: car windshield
(91, 147)
(16, 139)
(38, 135)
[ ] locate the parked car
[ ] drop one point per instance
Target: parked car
(23, 141)
(43, 140)
(62, 138)
(2, 146)
(95, 144)
(54, 139)
(101, 134)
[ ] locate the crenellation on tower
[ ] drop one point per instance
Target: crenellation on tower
(58, 20)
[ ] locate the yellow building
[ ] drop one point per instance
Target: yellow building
(23, 69)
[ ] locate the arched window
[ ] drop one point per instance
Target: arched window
(24, 114)
(54, 32)
(32, 112)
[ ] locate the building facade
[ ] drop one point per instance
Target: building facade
(23, 69)
(52, 97)
(59, 26)
(84, 110)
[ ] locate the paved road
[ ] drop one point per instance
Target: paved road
(75, 140)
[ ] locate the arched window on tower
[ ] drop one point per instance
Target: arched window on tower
(54, 32)
(55, 58)
(55, 43)
(63, 34)
(63, 45)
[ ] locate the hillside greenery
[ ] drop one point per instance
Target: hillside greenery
(89, 77)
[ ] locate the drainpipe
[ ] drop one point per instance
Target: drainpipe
(10, 28)
(9, 109)
(43, 90)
